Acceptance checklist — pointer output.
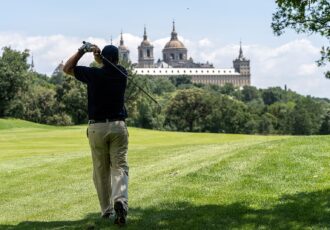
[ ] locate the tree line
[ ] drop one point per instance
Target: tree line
(62, 100)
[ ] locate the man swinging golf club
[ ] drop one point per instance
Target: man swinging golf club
(107, 131)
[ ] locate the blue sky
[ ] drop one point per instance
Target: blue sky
(210, 29)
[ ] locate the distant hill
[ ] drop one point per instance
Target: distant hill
(17, 123)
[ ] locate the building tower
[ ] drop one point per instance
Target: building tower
(32, 64)
(146, 52)
(123, 50)
(241, 64)
(174, 52)
(59, 69)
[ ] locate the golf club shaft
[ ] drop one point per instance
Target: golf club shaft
(132, 81)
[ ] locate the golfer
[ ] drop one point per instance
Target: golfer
(107, 131)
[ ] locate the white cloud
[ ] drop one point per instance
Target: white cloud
(292, 63)
(205, 42)
(307, 69)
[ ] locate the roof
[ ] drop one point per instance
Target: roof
(184, 71)
(174, 44)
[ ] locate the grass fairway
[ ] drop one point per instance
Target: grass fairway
(177, 180)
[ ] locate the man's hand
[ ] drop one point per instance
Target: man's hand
(87, 47)
(97, 54)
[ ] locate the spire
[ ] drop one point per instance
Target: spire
(121, 38)
(174, 35)
(111, 40)
(32, 63)
(240, 56)
(145, 33)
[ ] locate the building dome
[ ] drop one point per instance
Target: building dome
(174, 52)
(122, 47)
(174, 44)
(145, 43)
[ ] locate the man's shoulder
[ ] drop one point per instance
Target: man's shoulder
(122, 69)
(86, 68)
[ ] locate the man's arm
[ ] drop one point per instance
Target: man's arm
(68, 67)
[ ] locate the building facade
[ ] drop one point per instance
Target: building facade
(176, 63)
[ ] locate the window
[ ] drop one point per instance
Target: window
(141, 54)
(172, 56)
(148, 53)
(181, 56)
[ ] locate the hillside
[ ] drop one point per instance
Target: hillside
(177, 180)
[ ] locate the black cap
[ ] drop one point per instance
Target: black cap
(110, 52)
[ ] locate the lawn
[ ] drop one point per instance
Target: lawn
(177, 180)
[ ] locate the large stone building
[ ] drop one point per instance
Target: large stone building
(175, 62)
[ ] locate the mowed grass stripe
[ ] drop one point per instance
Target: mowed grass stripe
(177, 180)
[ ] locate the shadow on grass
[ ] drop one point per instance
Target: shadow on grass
(298, 211)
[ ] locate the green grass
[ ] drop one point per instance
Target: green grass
(177, 180)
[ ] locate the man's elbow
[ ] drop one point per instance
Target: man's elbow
(68, 70)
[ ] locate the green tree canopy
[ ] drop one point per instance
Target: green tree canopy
(305, 16)
(14, 76)
(187, 109)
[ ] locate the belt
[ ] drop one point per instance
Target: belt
(105, 120)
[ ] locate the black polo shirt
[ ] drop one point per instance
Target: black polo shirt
(106, 89)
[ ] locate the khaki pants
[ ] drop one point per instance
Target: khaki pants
(109, 144)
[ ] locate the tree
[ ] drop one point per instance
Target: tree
(57, 78)
(227, 115)
(272, 95)
(227, 89)
(180, 80)
(162, 86)
(187, 110)
(325, 125)
(282, 112)
(39, 105)
(72, 99)
(305, 16)
(14, 76)
(266, 122)
(249, 93)
(302, 124)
